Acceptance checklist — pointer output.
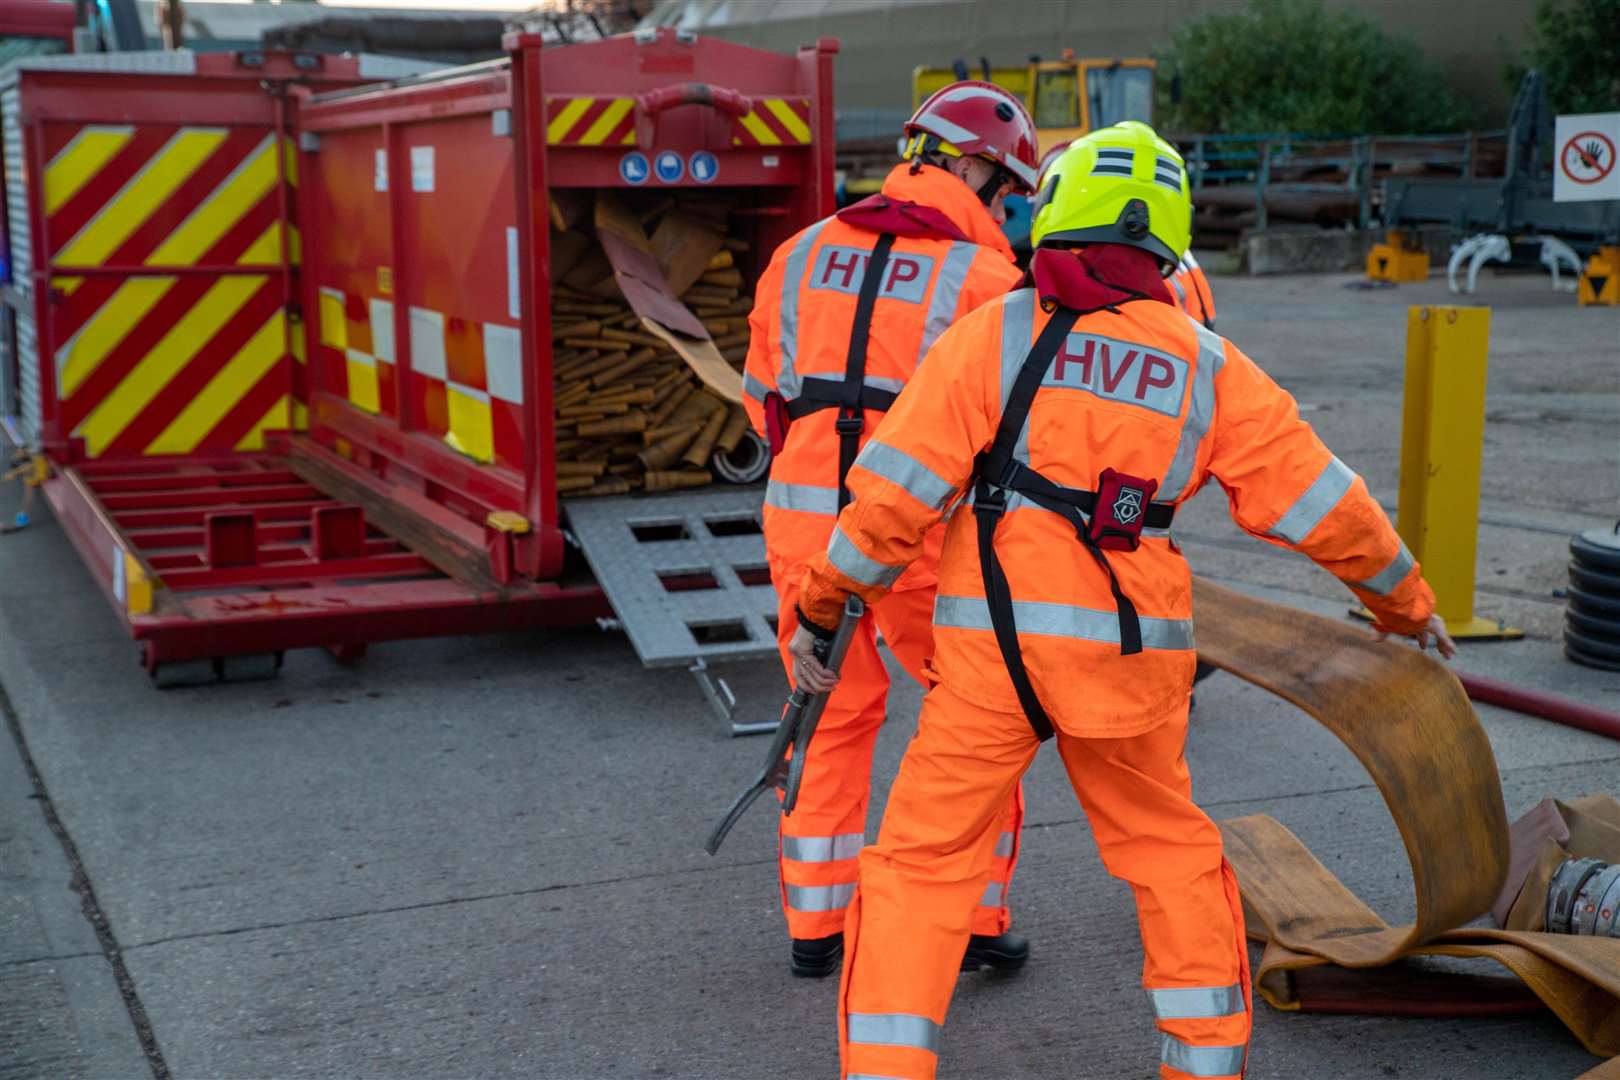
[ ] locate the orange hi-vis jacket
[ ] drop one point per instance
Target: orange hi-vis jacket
(1192, 290)
(1142, 389)
(801, 326)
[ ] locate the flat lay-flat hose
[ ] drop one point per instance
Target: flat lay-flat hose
(1406, 718)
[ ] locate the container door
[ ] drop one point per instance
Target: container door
(166, 285)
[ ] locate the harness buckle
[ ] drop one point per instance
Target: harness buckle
(990, 499)
(849, 424)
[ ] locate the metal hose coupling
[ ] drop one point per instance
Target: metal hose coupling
(1584, 898)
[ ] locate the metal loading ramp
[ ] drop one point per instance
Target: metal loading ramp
(686, 576)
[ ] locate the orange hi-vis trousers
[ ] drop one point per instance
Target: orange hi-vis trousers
(909, 922)
(827, 829)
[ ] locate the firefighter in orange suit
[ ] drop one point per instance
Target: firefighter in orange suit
(845, 312)
(1058, 428)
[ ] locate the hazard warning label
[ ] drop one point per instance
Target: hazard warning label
(1585, 169)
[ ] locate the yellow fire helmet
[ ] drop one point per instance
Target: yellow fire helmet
(1117, 185)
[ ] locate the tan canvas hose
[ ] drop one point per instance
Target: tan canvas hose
(1408, 721)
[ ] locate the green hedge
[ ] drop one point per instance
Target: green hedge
(1576, 44)
(1293, 65)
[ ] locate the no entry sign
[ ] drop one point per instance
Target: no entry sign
(1585, 167)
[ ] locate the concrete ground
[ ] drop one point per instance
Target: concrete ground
(483, 857)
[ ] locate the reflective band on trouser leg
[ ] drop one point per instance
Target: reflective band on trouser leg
(944, 818)
(1212, 1061)
(992, 917)
(822, 837)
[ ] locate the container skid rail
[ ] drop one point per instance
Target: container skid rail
(232, 560)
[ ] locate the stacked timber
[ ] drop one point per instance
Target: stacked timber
(630, 414)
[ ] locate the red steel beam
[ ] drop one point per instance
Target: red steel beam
(217, 498)
(157, 519)
(313, 618)
(298, 573)
(116, 485)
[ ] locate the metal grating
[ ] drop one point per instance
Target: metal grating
(148, 62)
(22, 256)
(686, 573)
(28, 378)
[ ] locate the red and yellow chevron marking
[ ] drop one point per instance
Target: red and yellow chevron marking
(774, 121)
(161, 363)
(590, 121)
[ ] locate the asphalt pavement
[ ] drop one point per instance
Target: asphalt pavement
(477, 857)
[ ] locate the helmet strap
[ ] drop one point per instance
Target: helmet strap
(987, 190)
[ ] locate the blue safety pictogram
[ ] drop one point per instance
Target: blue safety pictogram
(669, 166)
(703, 166)
(633, 168)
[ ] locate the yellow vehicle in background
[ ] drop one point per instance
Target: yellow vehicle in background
(1067, 97)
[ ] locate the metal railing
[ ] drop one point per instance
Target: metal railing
(1354, 167)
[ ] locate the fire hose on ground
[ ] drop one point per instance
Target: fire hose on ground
(1408, 721)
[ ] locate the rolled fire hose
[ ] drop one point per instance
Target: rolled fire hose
(1407, 720)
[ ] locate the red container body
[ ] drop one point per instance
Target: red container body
(427, 240)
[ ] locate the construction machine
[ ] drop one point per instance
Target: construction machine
(1067, 97)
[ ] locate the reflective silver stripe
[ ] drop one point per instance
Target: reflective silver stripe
(1017, 329)
(901, 468)
(1384, 582)
(894, 1029)
(869, 1076)
(993, 893)
(823, 848)
(842, 553)
(820, 897)
(882, 382)
(1181, 293)
(1004, 845)
(1200, 413)
(1313, 505)
(809, 498)
(798, 261)
(1193, 1002)
(1062, 620)
(1202, 1060)
(947, 291)
(753, 387)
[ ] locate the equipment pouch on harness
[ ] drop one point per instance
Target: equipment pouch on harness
(1121, 510)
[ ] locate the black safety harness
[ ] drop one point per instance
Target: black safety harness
(998, 472)
(851, 396)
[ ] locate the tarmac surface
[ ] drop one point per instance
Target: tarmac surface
(483, 857)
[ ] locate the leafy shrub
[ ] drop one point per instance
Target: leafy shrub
(1293, 65)
(1577, 47)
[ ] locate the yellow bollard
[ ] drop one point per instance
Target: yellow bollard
(1600, 281)
(1442, 441)
(1399, 258)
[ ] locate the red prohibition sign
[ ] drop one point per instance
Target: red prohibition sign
(1586, 150)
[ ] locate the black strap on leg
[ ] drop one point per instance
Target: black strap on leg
(990, 502)
(851, 420)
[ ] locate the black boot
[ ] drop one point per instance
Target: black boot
(1004, 952)
(816, 958)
